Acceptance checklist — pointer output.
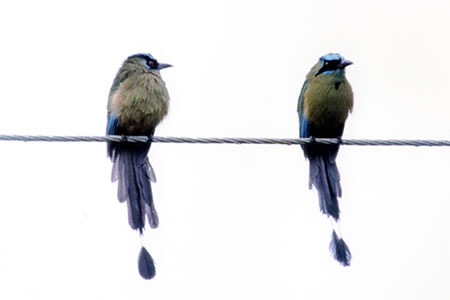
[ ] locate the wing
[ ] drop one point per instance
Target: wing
(304, 124)
(112, 119)
(120, 77)
(111, 129)
(113, 123)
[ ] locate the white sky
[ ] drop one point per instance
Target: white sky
(237, 222)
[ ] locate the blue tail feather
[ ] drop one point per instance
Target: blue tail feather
(131, 169)
(340, 250)
(324, 176)
(146, 265)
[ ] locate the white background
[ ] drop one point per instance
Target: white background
(237, 222)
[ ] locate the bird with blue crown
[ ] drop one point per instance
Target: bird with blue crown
(138, 101)
(325, 101)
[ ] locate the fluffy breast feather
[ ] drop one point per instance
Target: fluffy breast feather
(328, 101)
(140, 103)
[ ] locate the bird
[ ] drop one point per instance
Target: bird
(325, 101)
(138, 101)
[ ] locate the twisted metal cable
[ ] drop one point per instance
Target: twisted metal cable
(259, 141)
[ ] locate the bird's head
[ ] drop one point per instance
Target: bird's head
(147, 61)
(332, 62)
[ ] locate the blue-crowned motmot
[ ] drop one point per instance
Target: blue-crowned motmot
(325, 101)
(138, 101)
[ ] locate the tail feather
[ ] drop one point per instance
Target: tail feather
(152, 215)
(145, 174)
(130, 177)
(340, 250)
(122, 193)
(146, 266)
(324, 176)
(134, 173)
(149, 171)
(334, 177)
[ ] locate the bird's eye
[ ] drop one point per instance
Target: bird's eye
(152, 63)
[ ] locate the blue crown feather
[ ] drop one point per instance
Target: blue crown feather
(142, 55)
(332, 57)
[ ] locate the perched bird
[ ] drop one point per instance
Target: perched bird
(138, 101)
(325, 101)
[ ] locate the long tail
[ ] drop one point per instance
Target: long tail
(324, 176)
(134, 173)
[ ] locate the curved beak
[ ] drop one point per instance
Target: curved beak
(345, 63)
(163, 66)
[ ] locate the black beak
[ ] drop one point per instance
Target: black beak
(163, 66)
(345, 63)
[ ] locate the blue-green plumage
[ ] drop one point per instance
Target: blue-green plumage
(325, 101)
(138, 101)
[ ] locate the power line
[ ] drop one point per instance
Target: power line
(258, 141)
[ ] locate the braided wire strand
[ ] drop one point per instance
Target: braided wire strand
(234, 140)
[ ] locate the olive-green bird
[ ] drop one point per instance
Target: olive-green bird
(138, 101)
(325, 101)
